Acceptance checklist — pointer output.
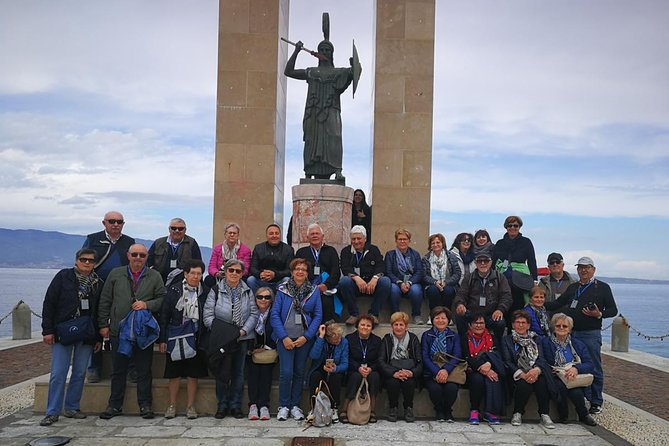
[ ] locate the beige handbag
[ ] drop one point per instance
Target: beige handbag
(360, 408)
(459, 373)
(581, 380)
(265, 356)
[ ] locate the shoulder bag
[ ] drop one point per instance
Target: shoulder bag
(459, 373)
(78, 329)
(581, 380)
(181, 341)
(360, 407)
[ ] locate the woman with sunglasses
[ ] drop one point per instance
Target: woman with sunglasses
(296, 315)
(462, 250)
(514, 252)
(571, 355)
(233, 303)
(260, 375)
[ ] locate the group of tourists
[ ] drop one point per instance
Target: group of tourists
(495, 328)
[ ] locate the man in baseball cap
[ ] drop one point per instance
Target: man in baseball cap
(558, 280)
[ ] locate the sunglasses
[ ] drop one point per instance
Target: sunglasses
(112, 221)
(264, 296)
(177, 228)
(141, 255)
(484, 261)
(561, 326)
(555, 262)
(86, 260)
(465, 240)
(235, 270)
(513, 225)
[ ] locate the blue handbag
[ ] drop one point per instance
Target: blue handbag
(181, 341)
(78, 329)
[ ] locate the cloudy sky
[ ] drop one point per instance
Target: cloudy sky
(555, 111)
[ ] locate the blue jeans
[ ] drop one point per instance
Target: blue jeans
(254, 283)
(60, 363)
(348, 291)
(415, 294)
(593, 340)
(229, 394)
(292, 364)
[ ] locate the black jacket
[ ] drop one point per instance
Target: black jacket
(160, 254)
(355, 352)
(497, 293)
(274, 258)
(169, 315)
(519, 250)
(107, 254)
(597, 292)
(387, 370)
(370, 264)
(328, 260)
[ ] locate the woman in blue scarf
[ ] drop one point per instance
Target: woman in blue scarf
(404, 268)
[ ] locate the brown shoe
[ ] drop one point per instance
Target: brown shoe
(351, 320)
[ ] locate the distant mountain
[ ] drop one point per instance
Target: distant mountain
(32, 248)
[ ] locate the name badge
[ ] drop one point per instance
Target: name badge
(298, 319)
(84, 304)
(574, 303)
(356, 270)
(173, 263)
(317, 270)
(482, 301)
(557, 295)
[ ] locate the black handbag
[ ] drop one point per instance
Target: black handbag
(78, 329)
(522, 281)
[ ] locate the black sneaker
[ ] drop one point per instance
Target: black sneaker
(220, 414)
(76, 414)
(588, 420)
(595, 409)
(392, 414)
(48, 420)
(146, 413)
(236, 413)
(111, 412)
(408, 415)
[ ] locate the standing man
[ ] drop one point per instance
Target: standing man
(111, 251)
(73, 292)
(558, 280)
(588, 301)
(133, 287)
(169, 253)
(363, 273)
(322, 258)
(269, 261)
(485, 291)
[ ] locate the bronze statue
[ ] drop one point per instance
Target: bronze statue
(322, 113)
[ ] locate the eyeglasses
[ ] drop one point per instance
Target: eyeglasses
(235, 270)
(113, 221)
(561, 326)
(264, 296)
(177, 228)
(478, 323)
(555, 262)
(301, 269)
(141, 255)
(86, 260)
(484, 261)
(513, 225)
(520, 322)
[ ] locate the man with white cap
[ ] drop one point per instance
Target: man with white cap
(588, 301)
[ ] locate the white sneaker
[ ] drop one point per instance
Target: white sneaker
(516, 419)
(253, 412)
(547, 422)
(335, 416)
(297, 413)
(283, 413)
(264, 413)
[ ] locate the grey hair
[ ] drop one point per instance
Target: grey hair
(233, 262)
(559, 317)
(313, 226)
(359, 229)
(178, 220)
(232, 224)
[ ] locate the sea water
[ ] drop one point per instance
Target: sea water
(645, 306)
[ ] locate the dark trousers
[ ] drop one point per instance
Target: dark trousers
(436, 298)
(143, 360)
(443, 396)
(575, 395)
(523, 390)
(481, 387)
(334, 381)
(395, 386)
(496, 328)
(259, 382)
(328, 306)
(518, 303)
(354, 380)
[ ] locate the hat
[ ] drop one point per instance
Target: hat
(483, 255)
(554, 256)
(585, 261)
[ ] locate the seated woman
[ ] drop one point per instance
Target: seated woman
(184, 302)
(329, 362)
(482, 243)
(463, 252)
(535, 308)
(526, 366)
(231, 248)
(442, 273)
(485, 376)
(441, 353)
(404, 268)
(363, 362)
(260, 375)
(401, 365)
(561, 350)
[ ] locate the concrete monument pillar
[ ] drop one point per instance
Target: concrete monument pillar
(403, 91)
(250, 117)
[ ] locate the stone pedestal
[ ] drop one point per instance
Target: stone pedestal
(330, 206)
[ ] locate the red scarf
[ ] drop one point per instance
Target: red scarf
(479, 344)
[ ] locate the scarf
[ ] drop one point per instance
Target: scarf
(440, 344)
(298, 293)
(528, 351)
(188, 302)
(235, 300)
(404, 264)
(479, 344)
(86, 285)
(260, 326)
(560, 348)
(400, 347)
(485, 249)
(439, 266)
(229, 253)
(468, 257)
(542, 317)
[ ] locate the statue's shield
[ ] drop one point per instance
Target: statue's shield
(357, 68)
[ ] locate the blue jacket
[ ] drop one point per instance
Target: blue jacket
(393, 272)
(535, 326)
(139, 328)
(313, 313)
(318, 355)
(586, 364)
(453, 347)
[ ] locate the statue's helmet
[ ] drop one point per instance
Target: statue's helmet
(327, 48)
